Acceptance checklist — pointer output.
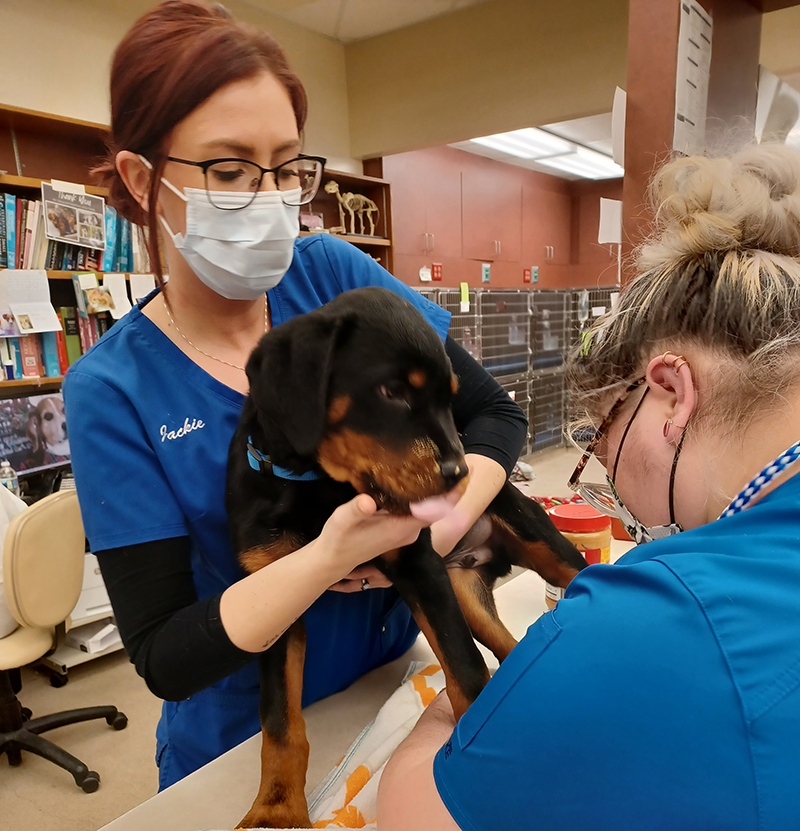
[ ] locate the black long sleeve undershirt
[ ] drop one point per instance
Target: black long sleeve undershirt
(177, 642)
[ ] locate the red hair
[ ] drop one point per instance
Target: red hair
(174, 58)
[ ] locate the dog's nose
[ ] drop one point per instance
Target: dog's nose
(453, 472)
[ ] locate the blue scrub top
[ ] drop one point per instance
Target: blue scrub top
(149, 433)
(663, 692)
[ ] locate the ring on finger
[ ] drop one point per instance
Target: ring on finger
(364, 584)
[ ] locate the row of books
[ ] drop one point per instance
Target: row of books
(24, 243)
(50, 354)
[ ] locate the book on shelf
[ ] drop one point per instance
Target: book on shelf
(3, 250)
(61, 348)
(11, 228)
(30, 349)
(110, 254)
(50, 359)
(16, 355)
(72, 340)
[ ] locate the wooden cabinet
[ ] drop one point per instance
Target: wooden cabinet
(546, 227)
(341, 191)
(426, 194)
(491, 214)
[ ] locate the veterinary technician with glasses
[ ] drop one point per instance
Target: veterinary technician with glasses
(663, 691)
(207, 120)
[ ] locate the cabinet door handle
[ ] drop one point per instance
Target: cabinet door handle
(433, 242)
(499, 247)
(424, 242)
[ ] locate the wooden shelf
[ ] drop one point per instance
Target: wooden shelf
(31, 382)
(7, 180)
(357, 239)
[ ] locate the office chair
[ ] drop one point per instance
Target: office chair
(43, 574)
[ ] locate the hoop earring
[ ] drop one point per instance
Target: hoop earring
(667, 424)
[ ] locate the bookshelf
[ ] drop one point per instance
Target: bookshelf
(374, 188)
(37, 147)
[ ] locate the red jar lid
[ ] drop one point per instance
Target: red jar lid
(580, 519)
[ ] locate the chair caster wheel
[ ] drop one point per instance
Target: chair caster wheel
(91, 782)
(58, 680)
(119, 721)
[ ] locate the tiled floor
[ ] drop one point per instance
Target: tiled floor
(39, 795)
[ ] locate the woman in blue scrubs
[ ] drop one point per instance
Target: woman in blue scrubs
(663, 692)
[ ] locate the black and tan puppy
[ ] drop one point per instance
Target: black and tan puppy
(360, 392)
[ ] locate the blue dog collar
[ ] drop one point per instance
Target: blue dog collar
(258, 461)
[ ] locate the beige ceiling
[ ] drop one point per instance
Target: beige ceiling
(350, 20)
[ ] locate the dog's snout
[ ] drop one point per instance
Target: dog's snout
(453, 472)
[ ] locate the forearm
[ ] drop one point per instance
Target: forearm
(407, 795)
(257, 610)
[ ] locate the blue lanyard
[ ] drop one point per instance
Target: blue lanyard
(761, 480)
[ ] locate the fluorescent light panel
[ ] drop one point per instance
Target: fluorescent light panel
(584, 162)
(526, 144)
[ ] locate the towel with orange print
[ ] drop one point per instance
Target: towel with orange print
(348, 796)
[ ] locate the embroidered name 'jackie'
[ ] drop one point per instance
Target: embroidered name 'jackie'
(188, 426)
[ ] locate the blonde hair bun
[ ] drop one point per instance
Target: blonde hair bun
(748, 202)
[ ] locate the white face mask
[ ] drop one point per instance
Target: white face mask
(238, 254)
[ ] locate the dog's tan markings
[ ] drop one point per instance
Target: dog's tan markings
(537, 556)
(338, 409)
(477, 604)
(456, 695)
(417, 378)
(255, 559)
(453, 383)
(281, 801)
(361, 459)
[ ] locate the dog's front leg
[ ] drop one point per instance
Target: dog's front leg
(281, 800)
(420, 576)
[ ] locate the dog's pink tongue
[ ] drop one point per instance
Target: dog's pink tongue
(434, 508)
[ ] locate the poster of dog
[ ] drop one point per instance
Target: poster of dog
(33, 432)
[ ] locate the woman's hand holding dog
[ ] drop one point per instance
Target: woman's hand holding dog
(356, 532)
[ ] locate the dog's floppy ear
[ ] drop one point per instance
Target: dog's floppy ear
(33, 430)
(289, 373)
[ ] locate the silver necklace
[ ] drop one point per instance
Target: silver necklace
(198, 349)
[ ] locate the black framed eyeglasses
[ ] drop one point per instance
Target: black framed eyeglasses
(226, 179)
(599, 496)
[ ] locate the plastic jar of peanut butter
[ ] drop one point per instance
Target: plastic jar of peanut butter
(588, 530)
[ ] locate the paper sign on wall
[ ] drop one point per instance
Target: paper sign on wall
(610, 229)
(464, 298)
(691, 84)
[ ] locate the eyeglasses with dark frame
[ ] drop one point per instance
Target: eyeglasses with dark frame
(599, 496)
(240, 176)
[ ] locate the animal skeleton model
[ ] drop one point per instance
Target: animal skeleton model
(354, 203)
